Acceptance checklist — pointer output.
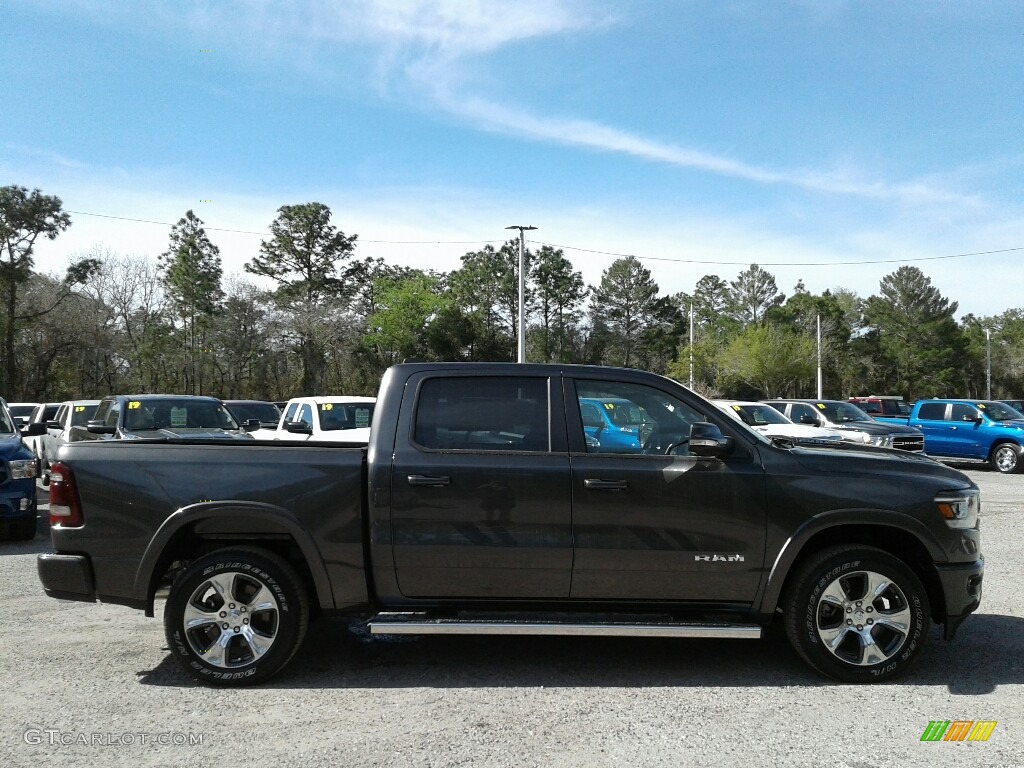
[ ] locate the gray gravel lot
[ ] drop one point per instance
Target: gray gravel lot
(81, 681)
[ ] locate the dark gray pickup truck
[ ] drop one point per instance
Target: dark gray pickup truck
(485, 504)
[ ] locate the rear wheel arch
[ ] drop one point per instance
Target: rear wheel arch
(196, 531)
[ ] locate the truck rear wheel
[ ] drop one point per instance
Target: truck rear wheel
(236, 616)
(857, 614)
(1005, 458)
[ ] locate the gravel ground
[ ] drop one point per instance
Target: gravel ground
(93, 685)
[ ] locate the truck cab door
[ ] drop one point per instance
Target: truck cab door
(480, 488)
(933, 421)
(659, 523)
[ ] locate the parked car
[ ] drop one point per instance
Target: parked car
(882, 405)
(480, 506)
(18, 471)
(254, 414)
(121, 417)
(616, 424)
(850, 421)
(21, 412)
(970, 430)
(337, 419)
(41, 414)
(765, 419)
(1017, 405)
(73, 413)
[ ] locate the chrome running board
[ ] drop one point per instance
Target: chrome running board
(423, 624)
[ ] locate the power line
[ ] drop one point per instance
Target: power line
(267, 234)
(601, 253)
(783, 263)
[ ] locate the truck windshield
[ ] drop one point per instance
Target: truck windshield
(1000, 412)
(177, 413)
(81, 414)
(755, 415)
(842, 413)
(335, 416)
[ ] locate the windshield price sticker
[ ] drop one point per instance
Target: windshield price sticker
(179, 417)
(328, 406)
(134, 405)
(609, 406)
(981, 405)
(822, 406)
(79, 408)
(737, 408)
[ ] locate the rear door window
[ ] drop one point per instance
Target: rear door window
(482, 413)
(932, 412)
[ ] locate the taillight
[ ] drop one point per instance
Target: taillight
(65, 508)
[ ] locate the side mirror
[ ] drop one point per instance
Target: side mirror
(706, 439)
(99, 428)
(298, 427)
(251, 424)
(809, 419)
(34, 429)
(54, 425)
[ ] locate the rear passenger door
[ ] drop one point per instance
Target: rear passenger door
(931, 420)
(480, 489)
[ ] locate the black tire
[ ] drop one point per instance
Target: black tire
(248, 610)
(824, 606)
(1006, 458)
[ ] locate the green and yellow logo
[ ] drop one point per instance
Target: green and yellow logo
(958, 730)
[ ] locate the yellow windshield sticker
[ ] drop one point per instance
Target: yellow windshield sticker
(609, 406)
(736, 408)
(822, 406)
(134, 404)
(328, 406)
(79, 408)
(981, 405)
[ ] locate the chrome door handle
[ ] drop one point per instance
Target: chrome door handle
(434, 480)
(593, 484)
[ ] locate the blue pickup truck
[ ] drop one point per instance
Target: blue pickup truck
(18, 470)
(969, 430)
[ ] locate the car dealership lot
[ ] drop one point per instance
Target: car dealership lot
(93, 685)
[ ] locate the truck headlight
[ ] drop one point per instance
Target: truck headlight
(882, 441)
(23, 469)
(960, 509)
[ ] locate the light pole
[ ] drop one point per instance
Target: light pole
(988, 363)
(522, 289)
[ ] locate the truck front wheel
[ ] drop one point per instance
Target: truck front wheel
(1005, 458)
(236, 616)
(856, 614)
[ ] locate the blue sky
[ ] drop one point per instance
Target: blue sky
(810, 132)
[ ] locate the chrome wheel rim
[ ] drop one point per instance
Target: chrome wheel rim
(1006, 459)
(863, 618)
(231, 620)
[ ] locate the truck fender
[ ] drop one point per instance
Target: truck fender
(861, 518)
(252, 510)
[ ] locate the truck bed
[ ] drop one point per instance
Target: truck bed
(138, 495)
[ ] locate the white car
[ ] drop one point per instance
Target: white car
(41, 414)
(762, 418)
(334, 419)
(21, 413)
(73, 413)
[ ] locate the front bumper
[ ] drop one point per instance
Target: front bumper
(18, 500)
(67, 577)
(961, 589)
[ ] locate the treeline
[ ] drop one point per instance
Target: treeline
(331, 322)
